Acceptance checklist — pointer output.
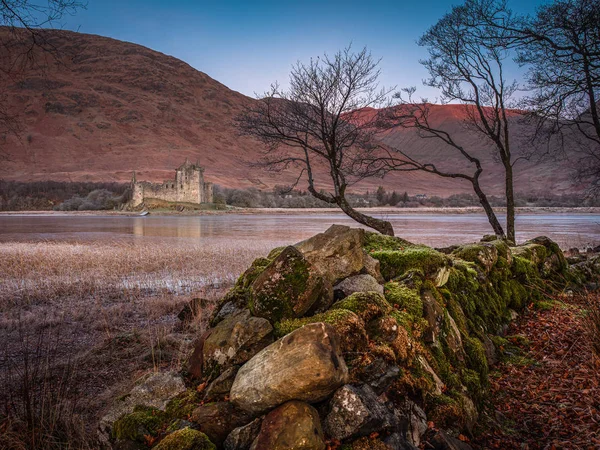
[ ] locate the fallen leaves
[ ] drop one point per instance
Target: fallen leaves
(553, 402)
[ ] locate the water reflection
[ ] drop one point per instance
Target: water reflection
(568, 230)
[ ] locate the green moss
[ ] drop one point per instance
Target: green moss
(182, 406)
(485, 255)
(275, 253)
(544, 305)
(502, 247)
(139, 423)
(476, 359)
(456, 280)
(366, 305)
(403, 298)
(375, 241)
(333, 317)
(519, 360)
(519, 295)
(395, 263)
(276, 297)
(473, 382)
(186, 439)
(255, 269)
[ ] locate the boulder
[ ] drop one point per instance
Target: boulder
(186, 439)
(338, 254)
(355, 411)
(485, 254)
(356, 283)
(438, 387)
(288, 287)
(304, 365)
(151, 391)
(235, 300)
(218, 419)
(439, 440)
(242, 438)
(222, 384)
(379, 374)
(366, 305)
(294, 425)
(434, 314)
(234, 341)
(417, 422)
(195, 362)
(350, 328)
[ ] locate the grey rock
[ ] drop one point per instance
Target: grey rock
(242, 438)
(217, 420)
(304, 365)
(356, 411)
(434, 314)
(222, 384)
(356, 283)
(288, 287)
(234, 341)
(153, 390)
(439, 440)
(338, 254)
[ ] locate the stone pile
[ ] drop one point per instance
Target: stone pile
(349, 339)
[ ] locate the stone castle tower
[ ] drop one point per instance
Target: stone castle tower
(187, 187)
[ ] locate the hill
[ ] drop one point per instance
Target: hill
(102, 108)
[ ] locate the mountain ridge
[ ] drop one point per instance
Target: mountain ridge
(105, 108)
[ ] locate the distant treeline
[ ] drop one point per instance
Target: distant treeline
(61, 195)
(282, 197)
(82, 196)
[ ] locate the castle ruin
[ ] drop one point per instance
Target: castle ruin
(187, 187)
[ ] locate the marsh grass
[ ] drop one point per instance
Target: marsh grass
(92, 318)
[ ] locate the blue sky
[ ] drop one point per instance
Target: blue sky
(247, 45)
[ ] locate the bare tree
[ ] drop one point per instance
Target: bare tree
(561, 46)
(417, 116)
(466, 64)
(22, 40)
(323, 125)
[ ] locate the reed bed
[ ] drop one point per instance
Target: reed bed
(38, 273)
(113, 305)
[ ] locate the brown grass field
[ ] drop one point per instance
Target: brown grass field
(90, 318)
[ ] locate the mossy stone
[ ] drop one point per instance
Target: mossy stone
(404, 299)
(286, 288)
(186, 439)
(349, 327)
(367, 305)
(395, 263)
(143, 421)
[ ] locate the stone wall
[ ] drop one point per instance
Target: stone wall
(351, 338)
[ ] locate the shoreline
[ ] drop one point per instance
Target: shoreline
(306, 211)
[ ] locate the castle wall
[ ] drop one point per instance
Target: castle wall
(188, 186)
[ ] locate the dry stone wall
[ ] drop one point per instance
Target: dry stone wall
(352, 340)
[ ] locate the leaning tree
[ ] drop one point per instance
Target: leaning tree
(324, 125)
(466, 64)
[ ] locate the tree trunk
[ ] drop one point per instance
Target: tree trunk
(382, 226)
(510, 203)
(489, 211)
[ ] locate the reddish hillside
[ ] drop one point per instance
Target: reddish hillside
(106, 108)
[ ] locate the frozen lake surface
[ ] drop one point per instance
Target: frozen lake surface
(437, 230)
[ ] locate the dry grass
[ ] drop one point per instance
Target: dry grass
(114, 305)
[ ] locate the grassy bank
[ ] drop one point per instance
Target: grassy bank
(87, 319)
